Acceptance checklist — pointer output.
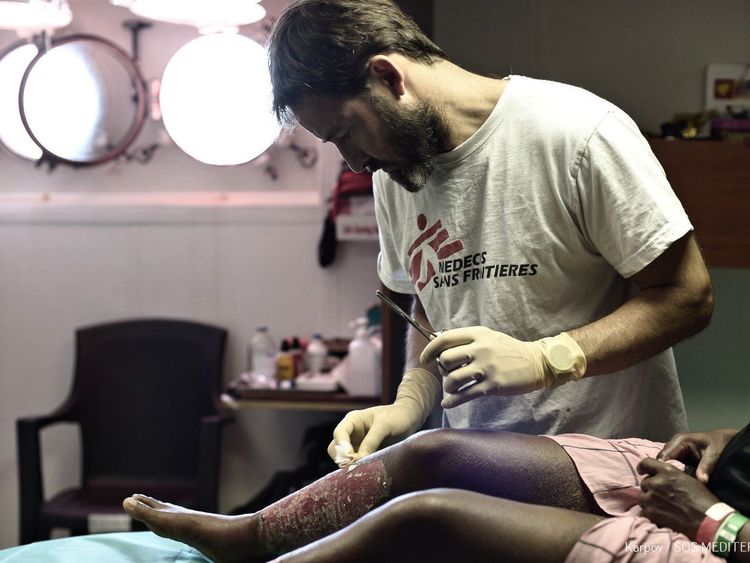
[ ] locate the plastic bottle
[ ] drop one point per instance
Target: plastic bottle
(263, 353)
(315, 355)
(364, 377)
(297, 355)
(285, 366)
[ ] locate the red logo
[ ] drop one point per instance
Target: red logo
(429, 247)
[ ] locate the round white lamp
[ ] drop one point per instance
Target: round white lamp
(215, 99)
(13, 134)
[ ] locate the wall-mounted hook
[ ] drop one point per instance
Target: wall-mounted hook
(135, 27)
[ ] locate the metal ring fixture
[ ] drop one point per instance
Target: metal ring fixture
(139, 99)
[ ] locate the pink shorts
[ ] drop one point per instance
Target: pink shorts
(634, 539)
(608, 469)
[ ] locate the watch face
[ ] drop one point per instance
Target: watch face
(560, 357)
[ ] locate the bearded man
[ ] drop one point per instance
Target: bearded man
(529, 219)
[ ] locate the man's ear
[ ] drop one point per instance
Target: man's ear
(384, 70)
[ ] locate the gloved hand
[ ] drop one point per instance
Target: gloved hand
(479, 361)
(362, 432)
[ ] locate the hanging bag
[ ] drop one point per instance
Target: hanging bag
(348, 184)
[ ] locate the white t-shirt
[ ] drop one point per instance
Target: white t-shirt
(531, 227)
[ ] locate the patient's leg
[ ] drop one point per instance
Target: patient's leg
(319, 509)
(525, 468)
(519, 467)
(452, 525)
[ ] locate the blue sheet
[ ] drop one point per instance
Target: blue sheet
(121, 547)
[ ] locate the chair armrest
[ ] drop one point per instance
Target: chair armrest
(30, 488)
(208, 460)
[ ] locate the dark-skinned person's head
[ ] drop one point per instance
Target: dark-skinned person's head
(339, 68)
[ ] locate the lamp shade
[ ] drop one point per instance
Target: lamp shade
(13, 134)
(30, 16)
(215, 99)
(200, 13)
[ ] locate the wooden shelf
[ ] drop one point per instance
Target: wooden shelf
(712, 180)
(298, 400)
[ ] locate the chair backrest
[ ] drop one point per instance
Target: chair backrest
(139, 391)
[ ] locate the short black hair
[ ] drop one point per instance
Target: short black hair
(321, 47)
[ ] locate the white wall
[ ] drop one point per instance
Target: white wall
(648, 57)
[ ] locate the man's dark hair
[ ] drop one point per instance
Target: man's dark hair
(321, 47)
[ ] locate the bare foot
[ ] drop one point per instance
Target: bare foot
(224, 539)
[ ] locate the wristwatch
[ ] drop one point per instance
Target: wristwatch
(564, 358)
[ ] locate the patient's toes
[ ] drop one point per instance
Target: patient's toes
(151, 502)
(135, 507)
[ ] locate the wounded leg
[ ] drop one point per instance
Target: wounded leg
(319, 509)
(453, 525)
(524, 468)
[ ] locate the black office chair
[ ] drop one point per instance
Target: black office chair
(146, 396)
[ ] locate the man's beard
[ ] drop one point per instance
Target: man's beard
(416, 136)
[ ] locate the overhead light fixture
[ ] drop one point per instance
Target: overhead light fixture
(32, 16)
(13, 134)
(215, 99)
(203, 14)
(215, 94)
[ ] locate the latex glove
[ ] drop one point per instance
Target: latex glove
(362, 432)
(479, 361)
(698, 449)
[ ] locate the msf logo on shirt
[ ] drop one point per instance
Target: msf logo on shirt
(431, 246)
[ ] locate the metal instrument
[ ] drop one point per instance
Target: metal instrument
(428, 334)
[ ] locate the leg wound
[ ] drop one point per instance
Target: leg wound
(325, 506)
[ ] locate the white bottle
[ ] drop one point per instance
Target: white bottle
(315, 355)
(263, 353)
(364, 374)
